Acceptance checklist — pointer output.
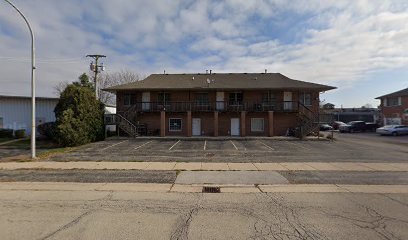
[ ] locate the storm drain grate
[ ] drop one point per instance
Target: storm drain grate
(211, 190)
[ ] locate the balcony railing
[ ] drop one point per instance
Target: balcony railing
(221, 106)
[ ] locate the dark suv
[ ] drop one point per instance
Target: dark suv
(353, 126)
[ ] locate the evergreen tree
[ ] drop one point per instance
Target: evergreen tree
(79, 115)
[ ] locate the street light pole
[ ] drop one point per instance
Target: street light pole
(33, 154)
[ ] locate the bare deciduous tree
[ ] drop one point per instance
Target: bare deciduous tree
(59, 88)
(112, 79)
(367, 105)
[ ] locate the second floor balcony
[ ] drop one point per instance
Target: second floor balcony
(220, 106)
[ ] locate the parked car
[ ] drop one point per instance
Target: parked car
(394, 130)
(325, 127)
(353, 126)
(372, 127)
(337, 124)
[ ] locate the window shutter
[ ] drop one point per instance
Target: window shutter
(399, 101)
(385, 102)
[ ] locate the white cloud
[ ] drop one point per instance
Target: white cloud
(324, 41)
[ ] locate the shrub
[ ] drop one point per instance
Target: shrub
(6, 133)
(47, 130)
(79, 115)
(20, 133)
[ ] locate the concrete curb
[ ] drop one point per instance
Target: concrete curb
(12, 141)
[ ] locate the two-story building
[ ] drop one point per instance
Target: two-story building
(394, 107)
(218, 104)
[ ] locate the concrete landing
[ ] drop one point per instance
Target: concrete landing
(230, 177)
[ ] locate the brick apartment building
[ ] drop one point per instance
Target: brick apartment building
(217, 104)
(394, 107)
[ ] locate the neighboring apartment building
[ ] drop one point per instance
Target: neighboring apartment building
(394, 107)
(15, 112)
(218, 104)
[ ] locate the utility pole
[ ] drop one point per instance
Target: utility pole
(96, 69)
(33, 134)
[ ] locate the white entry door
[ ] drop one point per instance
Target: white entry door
(196, 126)
(235, 127)
(287, 99)
(146, 101)
(220, 101)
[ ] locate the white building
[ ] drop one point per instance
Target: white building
(110, 109)
(15, 112)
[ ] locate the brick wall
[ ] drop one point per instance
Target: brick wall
(224, 122)
(207, 123)
(283, 121)
(394, 111)
(152, 120)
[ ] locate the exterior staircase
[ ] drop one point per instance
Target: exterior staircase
(309, 122)
(122, 123)
(126, 121)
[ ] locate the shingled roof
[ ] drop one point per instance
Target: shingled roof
(219, 81)
(403, 92)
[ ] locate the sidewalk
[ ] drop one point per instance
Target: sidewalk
(197, 188)
(206, 166)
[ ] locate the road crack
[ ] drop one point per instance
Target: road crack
(182, 229)
(68, 225)
(285, 224)
(374, 221)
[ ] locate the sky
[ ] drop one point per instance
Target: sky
(358, 46)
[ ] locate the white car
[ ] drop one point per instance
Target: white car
(394, 130)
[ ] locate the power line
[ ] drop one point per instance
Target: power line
(43, 60)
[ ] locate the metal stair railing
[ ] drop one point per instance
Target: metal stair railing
(309, 121)
(126, 125)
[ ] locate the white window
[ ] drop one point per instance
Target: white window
(175, 124)
(257, 124)
(306, 99)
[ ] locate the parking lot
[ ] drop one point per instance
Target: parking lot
(346, 147)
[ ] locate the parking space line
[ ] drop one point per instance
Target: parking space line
(114, 145)
(234, 145)
(273, 149)
(205, 145)
(297, 145)
(143, 145)
(174, 145)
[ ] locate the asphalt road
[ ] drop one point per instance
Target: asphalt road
(203, 177)
(347, 148)
(90, 176)
(137, 215)
(350, 177)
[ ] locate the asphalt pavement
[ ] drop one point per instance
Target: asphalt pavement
(90, 176)
(61, 214)
(346, 148)
(207, 177)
